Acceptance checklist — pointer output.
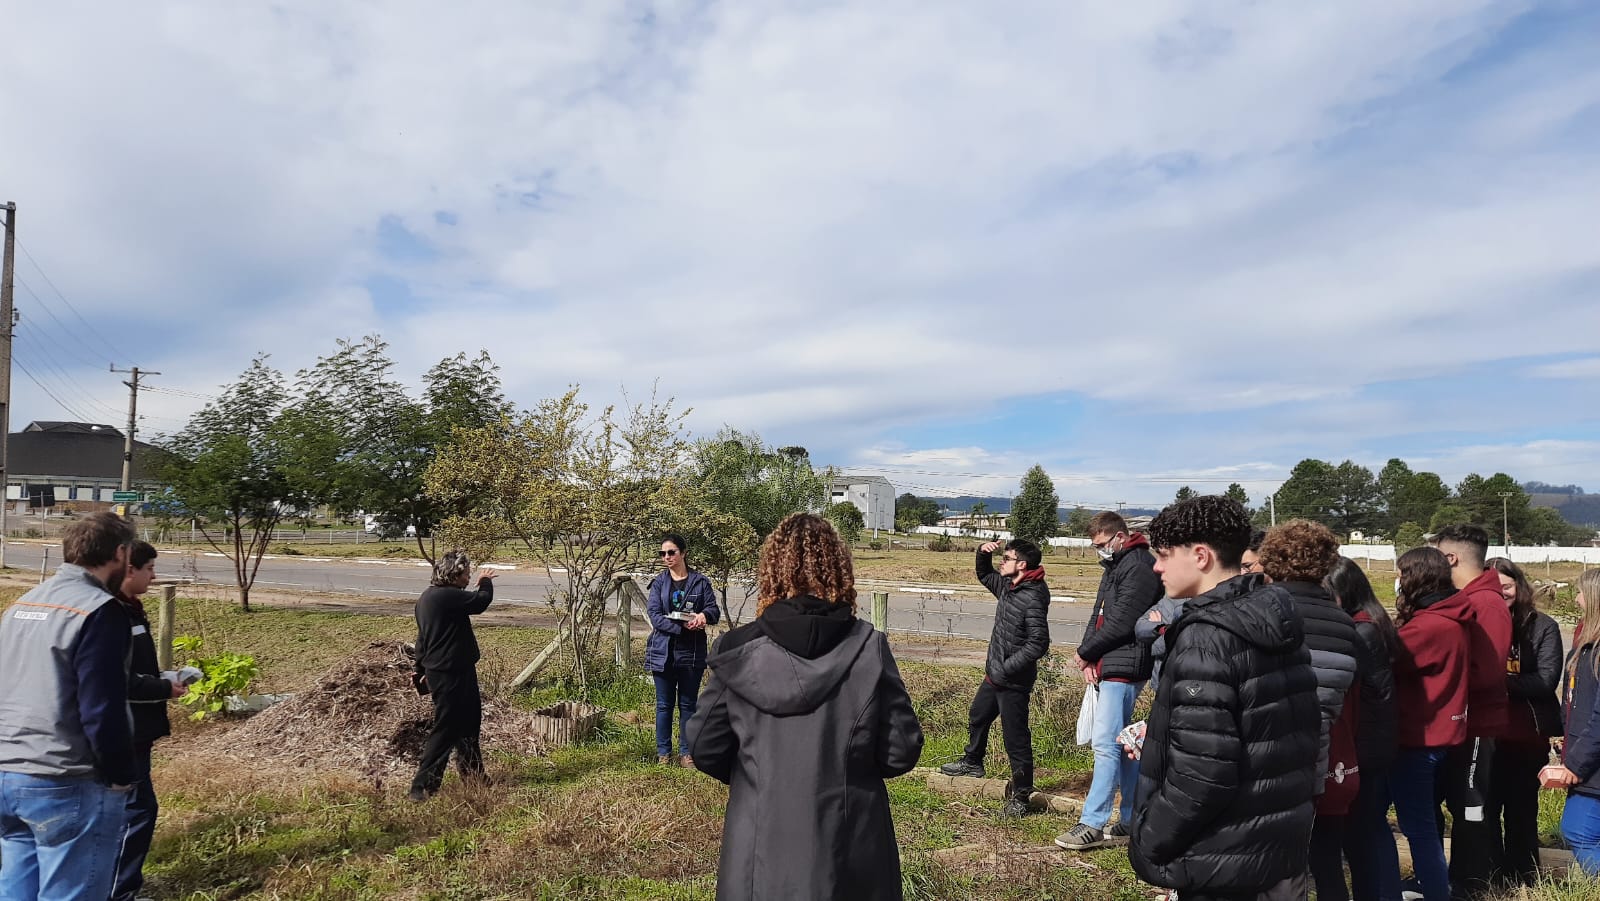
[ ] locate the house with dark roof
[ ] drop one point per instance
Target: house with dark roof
(81, 461)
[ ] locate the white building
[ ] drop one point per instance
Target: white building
(872, 495)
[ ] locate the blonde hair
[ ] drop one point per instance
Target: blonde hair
(1589, 614)
(804, 555)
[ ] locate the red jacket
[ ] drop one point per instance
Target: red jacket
(1488, 622)
(1430, 676)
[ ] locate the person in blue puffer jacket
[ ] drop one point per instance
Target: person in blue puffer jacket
(681, 603)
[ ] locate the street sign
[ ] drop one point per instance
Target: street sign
(126, 497)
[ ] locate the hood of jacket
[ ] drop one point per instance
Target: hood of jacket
(1135, 540)
(805, 649)
(1262, 615)
(1457, 606)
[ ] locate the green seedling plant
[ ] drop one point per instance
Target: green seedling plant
(225, 674)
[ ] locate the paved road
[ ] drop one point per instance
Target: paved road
(929, 610)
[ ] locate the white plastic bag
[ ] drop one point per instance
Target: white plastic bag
(1091, 696)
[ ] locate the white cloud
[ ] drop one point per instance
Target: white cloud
(1586, 368)
(832, 223)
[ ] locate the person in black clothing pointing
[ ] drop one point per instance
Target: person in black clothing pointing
(447, 655)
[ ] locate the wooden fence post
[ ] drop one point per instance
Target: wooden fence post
(880, 611)
(627, 594)
(165, 624)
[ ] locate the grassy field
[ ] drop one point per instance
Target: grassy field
(598, 820)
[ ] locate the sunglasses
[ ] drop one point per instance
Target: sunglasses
(667, 554)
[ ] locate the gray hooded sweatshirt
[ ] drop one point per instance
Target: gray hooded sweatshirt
(804, 719)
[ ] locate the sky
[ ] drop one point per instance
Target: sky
(1138, 244)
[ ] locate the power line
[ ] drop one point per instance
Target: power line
(67, 347)
(1162, 479)
(59, 402)
(92, 330)
(197, 395)
(56, 372)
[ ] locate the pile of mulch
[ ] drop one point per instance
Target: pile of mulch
(363, 716)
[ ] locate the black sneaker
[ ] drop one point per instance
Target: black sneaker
(1015, 809)
(963, 768)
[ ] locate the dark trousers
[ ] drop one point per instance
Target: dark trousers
(1464, 782)
(1369, 846)
(1295, 888)
(675, 686)
(138, 833)
(1011, 706)
(1326, 857)
(1514, 796)
(457, 723)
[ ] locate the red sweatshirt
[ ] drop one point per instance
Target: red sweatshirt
(1430, 676)
(1488, 622)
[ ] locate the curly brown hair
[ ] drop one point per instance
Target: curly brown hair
(804, 555)
(1299, 551)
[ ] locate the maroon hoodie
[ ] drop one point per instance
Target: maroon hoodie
(1430, 675)
(1488, 622)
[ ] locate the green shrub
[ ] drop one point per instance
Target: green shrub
(226, 674)
(942, 543)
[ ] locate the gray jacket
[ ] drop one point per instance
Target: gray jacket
(64, 656)
(805, 717)
(1155, 633)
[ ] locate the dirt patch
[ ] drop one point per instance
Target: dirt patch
(361, 716)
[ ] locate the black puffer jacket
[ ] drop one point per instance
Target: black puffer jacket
(1376, 735)
(1331, 639)
(1129, 587)
(1229, 764)
(1021, 633)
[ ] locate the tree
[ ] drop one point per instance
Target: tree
(911, 511)
(1077, 524)
(1407, 496)
(232, 468)
(1237, 493)
(1035, 514)
(1184, 493)
(367, 444)
(1497, 503)
(1407, 535)
(744, 490)
(1355, 495)
(1308, 492)
(1449, 514)
(847, 518)
(584, 497)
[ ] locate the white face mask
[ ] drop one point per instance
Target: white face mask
(1396, 587)
(1105, 553)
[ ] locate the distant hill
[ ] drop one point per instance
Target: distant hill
(1571, 501)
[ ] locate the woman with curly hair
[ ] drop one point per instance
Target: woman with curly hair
(1298, 556)
(805, 719)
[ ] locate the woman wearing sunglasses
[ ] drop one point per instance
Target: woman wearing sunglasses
(680, 606)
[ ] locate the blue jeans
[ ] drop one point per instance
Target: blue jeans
(1411, 787)
(1369, 846)
(59, 838)
(1580, 826)
(680, 686)
(1112, 768)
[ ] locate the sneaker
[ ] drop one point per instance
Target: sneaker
(417, 794)
(1117, 833)
(686, 762)
(663, 759)
(1015, 809)
(1081, 837)
(963, 768)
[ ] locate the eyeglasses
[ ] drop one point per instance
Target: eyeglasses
(668, 554)
(1249, 567)
(1008, 558)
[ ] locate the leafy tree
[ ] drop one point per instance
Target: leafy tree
(1356, 505)
(1309, 492)
(366, 444)
(584, 496)
(1184, 493)
(911, 511)
(1035, 512)
(1407, 536)
(744, 490)
(1077, 524)
(847, 518)
(1449, 513)
(1481, 498)
(232, 468)
(1237, 493)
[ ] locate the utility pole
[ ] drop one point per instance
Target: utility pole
(1272, 508)
(1505, 518)
(133, 422)
(7, 315)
